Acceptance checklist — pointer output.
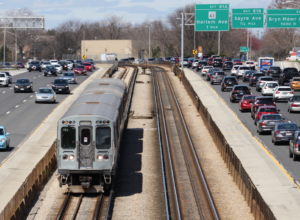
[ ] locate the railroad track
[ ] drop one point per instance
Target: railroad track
(188, 193)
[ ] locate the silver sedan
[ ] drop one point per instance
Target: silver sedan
(45, 94)
(267, 122)
(294, 104)
(70, 76)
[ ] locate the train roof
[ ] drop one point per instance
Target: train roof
(102, 97)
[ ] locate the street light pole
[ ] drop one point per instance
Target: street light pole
(247, 43)
(4, 46)
(182, 39)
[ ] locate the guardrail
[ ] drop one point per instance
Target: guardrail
(258, 206)
(22, 199)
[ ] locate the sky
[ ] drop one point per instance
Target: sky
(135, 11)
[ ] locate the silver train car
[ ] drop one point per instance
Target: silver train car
(88, 137)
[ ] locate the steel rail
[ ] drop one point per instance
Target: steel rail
(109, 203)
(98, 207)
(161, 151)
(77, 207)
(63, 207)
(169, 153)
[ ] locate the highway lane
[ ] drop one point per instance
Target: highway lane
(21, 115)
(280, 151)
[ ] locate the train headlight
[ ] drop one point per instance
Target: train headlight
(65, 157)
(99, 157)
(71, 157)
(106, 157)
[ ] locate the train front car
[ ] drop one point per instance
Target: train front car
(88, 137)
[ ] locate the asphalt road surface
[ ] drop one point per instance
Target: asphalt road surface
(20, 114)
(279, 151)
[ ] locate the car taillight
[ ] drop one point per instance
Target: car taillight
(248, 90)
(259, 81)
(296, 145)
(263, 123)
(291, 92)
(277, 92)
(295, 105)
(204, 71)
(293, 83)
(234, 90)
(253, 77)
(265, 88)
(212, 77)
(277, 132)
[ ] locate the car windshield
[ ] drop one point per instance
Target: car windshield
(68, 74)
(196, 60)
(249, 97)
(57, 65)
(208, 67)
(23, 81)
(249, 62)
(244, 88)
(284, 89)
(271, 117)
(266, 79)
(19, 63)
(249, 72)
(268, 110)
(50, 68)
(228, 62)
(230, 80)
(86, 64)
(296, 79)
(45, 91)
(296, 98)
(287, 127)
(274, 68)
(244, 68)
(219, 73)
(290, 71)
(80, 67)
(237, 60)
(60, 81)
(1, 131)
(272, 85)
(265, 101)
(35, 63)
(2, 75)
(258, 75)
(201, 62)
(46, 63)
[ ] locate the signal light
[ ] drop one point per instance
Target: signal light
(105, 157)
(65, 157)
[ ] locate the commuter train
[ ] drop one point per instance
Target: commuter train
(88, 137)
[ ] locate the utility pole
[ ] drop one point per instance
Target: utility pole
(182, 39)
(4, 47)
(247, 43)
(149, 43)
(219, 39)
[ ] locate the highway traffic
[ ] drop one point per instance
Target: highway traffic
(19, 113)
(281, 150)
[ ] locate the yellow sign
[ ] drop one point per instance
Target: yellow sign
(83, 56)
(194, 52)
(200, 49)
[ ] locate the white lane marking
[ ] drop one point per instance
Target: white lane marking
(24, 100)
(8, 112)
(3, 92)
(31, 96)
(17, 106)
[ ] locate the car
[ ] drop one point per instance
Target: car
(295, 83)
(261, 81)
(80, 69)
(61, 86)
(273, 71)
(70, 76)
(261, 101)
(6, 64)
(185, 62)
(240, 70)
(293, 104)
(268, 122)
(294, 149)
(34, 65)
(131, 59)
(216, 57)
(78, 62)
(264, 110)
(44, 64)
(283, 93)
(72, 61)
(210, 72)
(70, 65)
(4, 138)
(167, 58)
(64, 65)
(89, 60)
(238, 91)
(45, 94)
(217, 62)
(250, 64)
(253, 78)
(205, 69)
(190, 62)
(227, 65)
(217, 77)
(23, 85)
(227, 58)
(233, 70)
(8, 76)
(237, 61)
(50, 70)
(20, 64)
(200, 65)
(247, 74)
(127, 60)
(4, 81)
(287, 75)
(204, 57)
(58, 68)
(228, 83)
(53, 62)
(195, 63)
(88, 66)
(209, 61)
(283, 132)
(94, 67)
(268, 88)
(245, 102)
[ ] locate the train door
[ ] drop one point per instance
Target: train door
(86, 147)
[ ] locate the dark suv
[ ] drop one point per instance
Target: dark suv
(253, 78)
(61, 85)
(260, 101)
(227, 65)
(217, 62)
(64, 65)
(200, 65)
(273, 71)
(238, 91)
(287, 75)
(228, 82)
(35, 65)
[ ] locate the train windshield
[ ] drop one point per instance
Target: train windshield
(103, 138)
(68, 138)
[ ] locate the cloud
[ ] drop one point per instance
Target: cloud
(57, 12)
(253, 4)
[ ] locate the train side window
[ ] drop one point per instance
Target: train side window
(103, 138)
(68, 137)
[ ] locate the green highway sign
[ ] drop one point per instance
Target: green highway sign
(283, 18)
(212, 17)
(244, 49)
(247, 18)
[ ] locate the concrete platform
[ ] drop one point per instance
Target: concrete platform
(16, 169)
(269, 177)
